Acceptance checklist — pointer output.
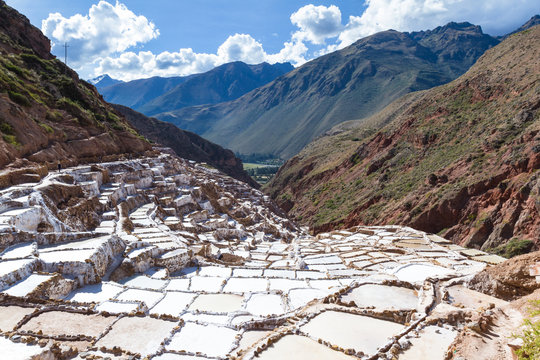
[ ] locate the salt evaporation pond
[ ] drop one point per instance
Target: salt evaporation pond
(219, 303)
(432, 343)
(173, 303)
(26, 286)
(211, 340)
(419, 272)
(265, 304)
(350, 331)
(11, 315)
(383, 297)
(114, 307)
(19, 350)
(302, 348)
(137, 335)
(95, 293)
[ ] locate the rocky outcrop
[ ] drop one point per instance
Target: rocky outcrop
(509, 280)
(22, 34)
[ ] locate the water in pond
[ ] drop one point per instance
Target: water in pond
(382, 297)
(218, 303)
(432, 343)
(362, 333)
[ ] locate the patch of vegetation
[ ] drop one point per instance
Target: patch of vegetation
(15, 69)
(8, 134)
(85, 117)
(11, 139)
(54, 116)
(6, 128)
(19, 98)
(47, 128)
(531, 334)
(514, 247)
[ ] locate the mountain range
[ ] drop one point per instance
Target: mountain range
(460, 159)
(223, 83)
(283, 116)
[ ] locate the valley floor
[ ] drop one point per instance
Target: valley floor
(166, 259)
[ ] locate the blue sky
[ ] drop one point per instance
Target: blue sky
(139, 38)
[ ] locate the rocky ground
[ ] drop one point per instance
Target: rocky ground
(163, 258)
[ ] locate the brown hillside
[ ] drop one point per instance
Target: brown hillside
(461, 159)
(47, 114)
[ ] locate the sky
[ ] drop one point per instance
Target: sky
(131, 39)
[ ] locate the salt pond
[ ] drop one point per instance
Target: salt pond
(350, 331)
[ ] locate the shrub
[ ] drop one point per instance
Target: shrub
(47, 128)
(54, 116)
(15, 69)
(514, 247)
(531, 334)
(19, 98)
(11, 139)
(6, 128)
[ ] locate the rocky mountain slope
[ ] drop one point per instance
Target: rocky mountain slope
(285, 115)
(461, 159)
(223, 83)
(187, 144)
(47, 114)
(533, 21)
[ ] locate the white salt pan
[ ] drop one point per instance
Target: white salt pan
(265, 304)
(420, 272)
(210, 339)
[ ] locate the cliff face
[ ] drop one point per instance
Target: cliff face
(47, 114)
(461, 159)
(187, 144)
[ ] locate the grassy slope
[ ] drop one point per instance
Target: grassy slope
(475, 134)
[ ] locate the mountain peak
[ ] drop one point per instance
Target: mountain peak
(533, 21)
(103, 81)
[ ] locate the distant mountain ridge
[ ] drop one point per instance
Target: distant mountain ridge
(223, 83)
(283, 116)
(187, 144)
(103, 81)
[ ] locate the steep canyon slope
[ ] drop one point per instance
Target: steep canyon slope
(461, 159)
(282, 117)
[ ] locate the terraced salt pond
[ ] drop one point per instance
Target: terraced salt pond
(303, 348)
(382, 297)
(350, 331)
(186, 263)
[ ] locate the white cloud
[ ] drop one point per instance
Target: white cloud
(495, 17)
(107, 29)
(293, 52)
(105, 40)
(317, 23)
(238, 47)
(241, 47)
